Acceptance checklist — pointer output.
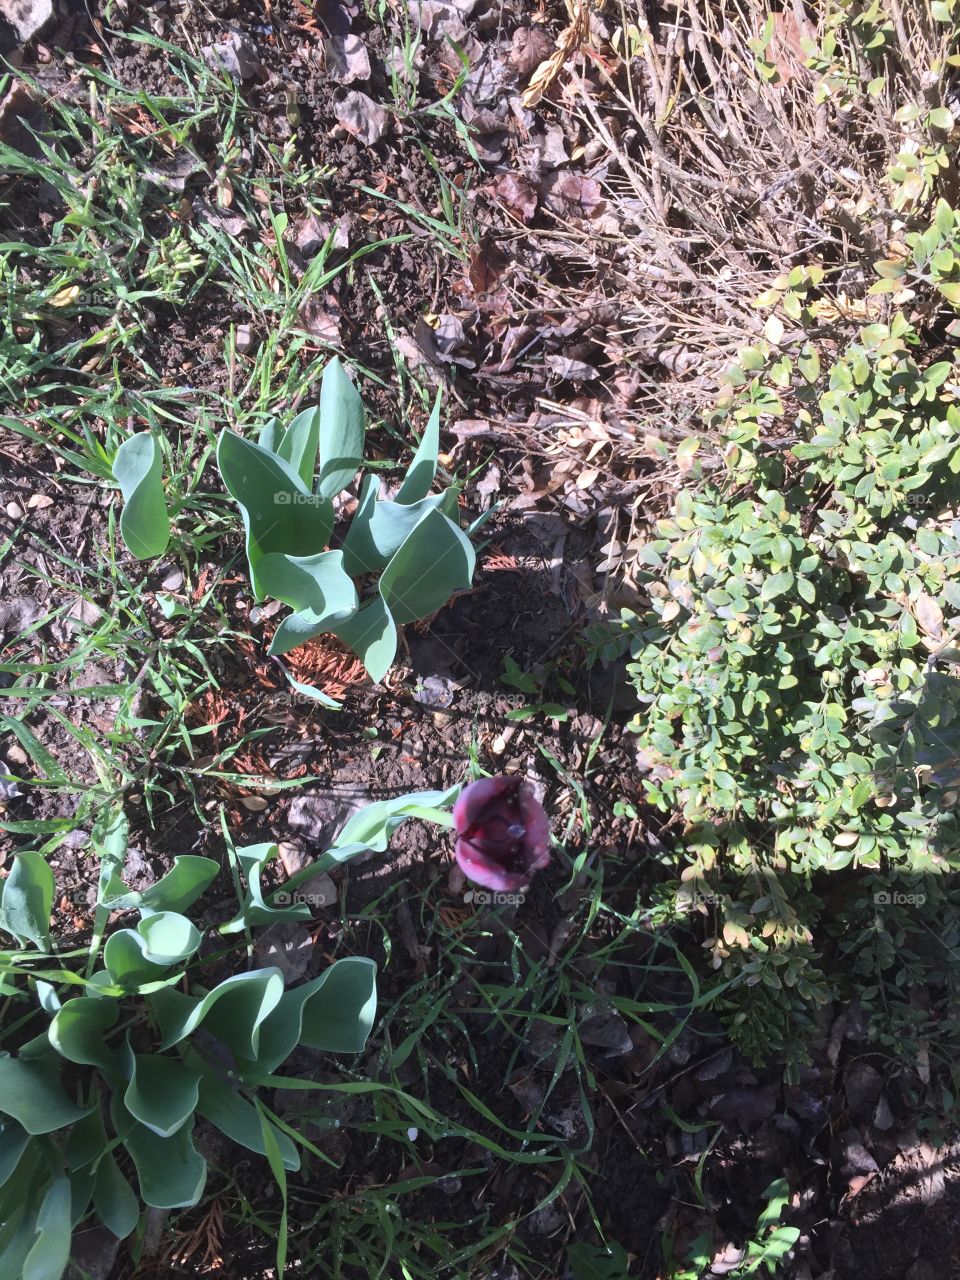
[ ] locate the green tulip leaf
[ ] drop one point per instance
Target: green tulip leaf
(144, 523)
(372, 635)
(232, 1011)
(334, 1013)
(162, 1093)
(87, 1140)
(239, 1120)
(13, 1142)
(372, 827)
(256, 910)
(341, 430)
(31, 1093)
(78, 1029)
(379, 529)
(316, 582)
(171, 1172)
(279, 513)
(435, 560)
(186, 881)
(299, 445)
(114, 1199)
(50, 1253)
(132, 956)
(26, 900)
(423, 469)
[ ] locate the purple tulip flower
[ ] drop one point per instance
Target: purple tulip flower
(503, 835)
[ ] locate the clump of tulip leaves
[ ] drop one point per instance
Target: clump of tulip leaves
(107, 1066)
(408, 553)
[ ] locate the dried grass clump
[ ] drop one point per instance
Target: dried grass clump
(736, 141)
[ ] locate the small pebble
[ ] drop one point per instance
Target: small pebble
(14, 511)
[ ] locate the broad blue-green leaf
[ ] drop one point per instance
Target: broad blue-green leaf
(144, 523)
(316, 582)
(379, 529)
(162, 1093)
(48, 1258)
(110, 840)
(271, 433)
(299, 445)
(13, 1143)
(341, 430)
(132, 956)
(373, 826)
(171, 1171)
(436, 560)
(186, 881)
(297, 629)
(78, 1030)
(87, 1139)
(26, 899)
(334, 1013)
(256, 910)
(32, 1094)
(423, 468)
(372, 636)
(114, 1199)
(279, 513)
(238, 1119)
(82, 1182)
(233, 1011)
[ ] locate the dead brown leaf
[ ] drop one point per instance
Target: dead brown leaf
(571, 195)
(487, 264)
(362, 117)
(518, 195)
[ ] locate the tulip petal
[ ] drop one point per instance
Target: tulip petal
(503, 833)
(473, 799)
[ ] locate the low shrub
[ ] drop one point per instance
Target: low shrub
(796, 667)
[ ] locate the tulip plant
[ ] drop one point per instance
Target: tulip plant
(106, 1070)
(408, 553)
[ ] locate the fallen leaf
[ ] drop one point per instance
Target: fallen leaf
(530, 46)
(237, 55)
(929, 615)
(254, 803)
(347, 58)
(320, 316)
(441, 340)
(571, 370)
(362, 117)
(517, 194)
(39, 501)
(65, 297)
(571, 194)
(487, 264)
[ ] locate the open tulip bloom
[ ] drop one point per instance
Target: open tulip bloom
(503, 835)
